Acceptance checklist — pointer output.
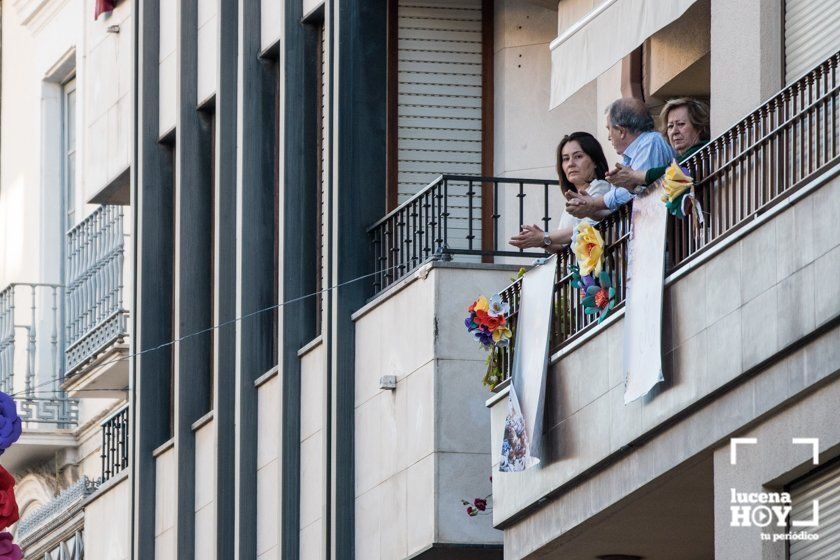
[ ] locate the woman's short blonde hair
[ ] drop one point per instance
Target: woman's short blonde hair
(698, 115)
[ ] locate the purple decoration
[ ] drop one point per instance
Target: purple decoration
(9, 423)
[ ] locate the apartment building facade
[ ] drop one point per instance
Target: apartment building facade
(245, 252)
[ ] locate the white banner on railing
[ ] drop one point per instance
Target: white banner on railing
(643, 306)
(522, 440)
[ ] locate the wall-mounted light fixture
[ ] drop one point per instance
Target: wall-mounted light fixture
(388, 382)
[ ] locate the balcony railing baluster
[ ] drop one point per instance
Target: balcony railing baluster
(95, 317)
(23, 307)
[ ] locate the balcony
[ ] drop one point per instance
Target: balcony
(745, 333)
(115, 444)
(32, 370)
(96, 318)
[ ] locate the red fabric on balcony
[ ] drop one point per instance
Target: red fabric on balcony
(103, 6)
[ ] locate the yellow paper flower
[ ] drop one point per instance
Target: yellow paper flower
(481, 304)
(675, 182)
(588, 247)
(502, 333)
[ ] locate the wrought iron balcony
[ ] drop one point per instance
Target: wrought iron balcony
(459, 215)
(114, 444)
(95, 316)
(32, 365)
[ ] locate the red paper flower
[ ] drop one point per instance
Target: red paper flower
(602, 298)
(8, 505)
(481, 504)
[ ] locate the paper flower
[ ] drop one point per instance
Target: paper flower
(481, 304)
(8, 504)
(8, 549)
(497, 306)
(588, 247)
(600, 297)
(677, 186)
(502, 336)
(9, 422)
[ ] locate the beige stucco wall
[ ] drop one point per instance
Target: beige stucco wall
(746, 58)
(108, 524)
(526, 133)
(682, 45)
(421, 448)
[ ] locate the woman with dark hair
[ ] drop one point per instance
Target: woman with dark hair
(581, 165)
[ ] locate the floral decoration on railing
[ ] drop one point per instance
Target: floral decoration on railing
(588, 274)
(488, 324)
(10, 430)
(678, 195)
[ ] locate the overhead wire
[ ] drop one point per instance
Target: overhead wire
(209, 329)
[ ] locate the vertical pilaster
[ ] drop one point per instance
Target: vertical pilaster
(152, 306)
(359, 200)
(299, 187)
(255, 239)
(193, 261)
(224, 400)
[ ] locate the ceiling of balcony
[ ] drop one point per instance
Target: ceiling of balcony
(672, 518)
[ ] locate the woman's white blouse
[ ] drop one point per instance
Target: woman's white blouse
(598, 187)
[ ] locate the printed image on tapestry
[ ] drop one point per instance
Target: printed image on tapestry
(515, 446)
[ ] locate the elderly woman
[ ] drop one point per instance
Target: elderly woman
(685, 123)
(581, 165)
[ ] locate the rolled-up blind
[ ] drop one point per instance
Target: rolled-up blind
(812, 34)
(439, 104)
(825, 488)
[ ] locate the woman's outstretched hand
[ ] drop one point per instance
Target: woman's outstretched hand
(529, 236)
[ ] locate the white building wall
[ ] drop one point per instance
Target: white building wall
(168, 59)
(208, 48)
(108, 97)
(108, 524)
(268, 470)
(271, 22)
(422, 447)
(312, 456)
(753, 32)
(165, 507)
(205, 491)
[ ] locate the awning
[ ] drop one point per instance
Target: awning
(607, 34)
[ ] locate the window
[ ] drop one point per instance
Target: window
(68, 110)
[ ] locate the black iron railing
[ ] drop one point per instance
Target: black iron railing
(779, 147)
(568, 319)
(776, 149)
(114, 452)
(459, 215)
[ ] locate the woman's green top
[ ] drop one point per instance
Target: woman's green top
(655, 173)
